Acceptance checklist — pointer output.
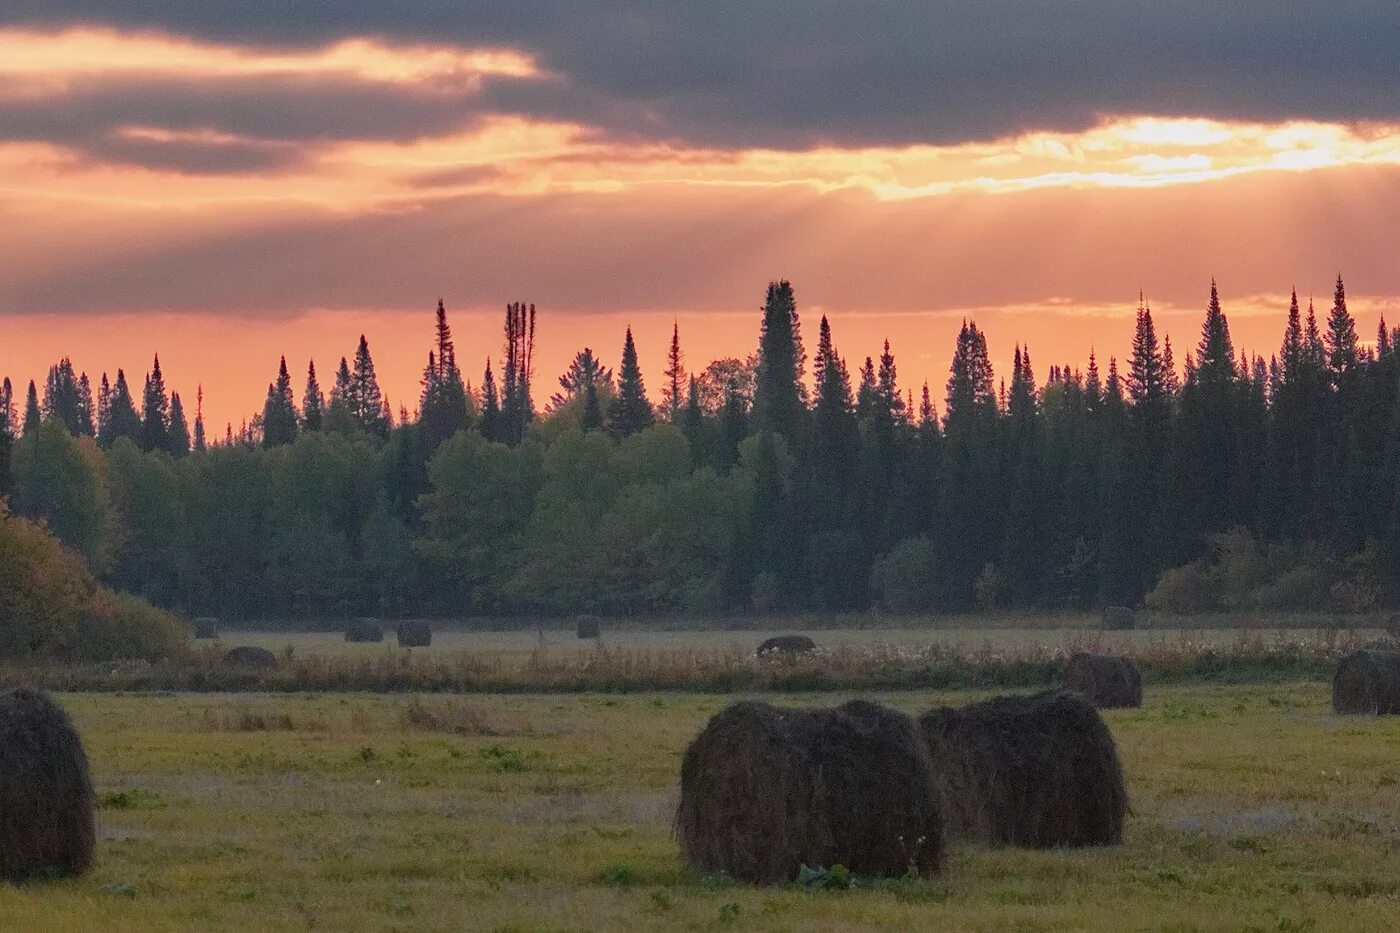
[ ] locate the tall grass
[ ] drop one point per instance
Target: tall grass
(1182, 657)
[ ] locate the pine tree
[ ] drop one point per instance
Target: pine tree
(583, 371)
(839, 581)
(340, 412)
(7, 424)
(443, 409)
(32, 417)
(517, 406)
(178, 440)
(313, 401)
(777, 405)
(490, 407)
(155, 411)
(279, 420)
(671, 395)
(693, 423)
(104, 411)
(592, 418)
(630, 412)
(87, 416)
(199, 441)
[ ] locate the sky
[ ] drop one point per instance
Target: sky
(224, 183)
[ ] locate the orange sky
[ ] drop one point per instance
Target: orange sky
(222, 201)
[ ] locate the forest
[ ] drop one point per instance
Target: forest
(785, 481)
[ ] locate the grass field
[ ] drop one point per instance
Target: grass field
(1254, 809)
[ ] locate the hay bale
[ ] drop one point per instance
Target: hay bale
(1118, 618)
(766, 790)
(1367, 683)
(364, 630)
(589, 626)
(206, 627)
(414, 633)
(46, 798)
(1039, 771)
(250, 656)
(1107, 682)
(787, 646)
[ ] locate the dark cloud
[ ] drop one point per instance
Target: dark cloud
(684, 248)
(792, 73)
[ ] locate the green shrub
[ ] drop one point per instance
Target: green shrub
(121, 626)
(1192, 588)
(907, 578)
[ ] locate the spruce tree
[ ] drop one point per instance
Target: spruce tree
(592, 417)
(32, 417)
(155, 411)
(443, 407)
(630, 412)
(200, 444)
(517, 405)
(491, 428)
(672, 395)
(179, 437)
(693, 422)
(364, 399)
(313, 401)
(7, 419)
(279, 419)
(87, 415)
(1341, 339)
(777, 404)
(584, 370)
(104, 411)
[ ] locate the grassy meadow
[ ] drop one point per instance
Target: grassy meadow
(1254, 809)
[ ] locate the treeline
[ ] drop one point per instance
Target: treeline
(780, 482)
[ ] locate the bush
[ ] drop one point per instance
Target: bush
(907, 578)
(125, 627)
(1298, 589)
(1192, 588)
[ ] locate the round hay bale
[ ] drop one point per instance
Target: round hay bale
(766, 790)
(46, 798)
(414, 633)
(589, 626)
(1118, 618)
(1367, 683)
(787, 646)
(206, 627)
(364, 630)
(1039, 771)
(1107, 682)
(250, 656)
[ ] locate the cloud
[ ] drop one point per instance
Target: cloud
(707, 249)
(799, 73)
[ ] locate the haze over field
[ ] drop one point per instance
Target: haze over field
(227, 184)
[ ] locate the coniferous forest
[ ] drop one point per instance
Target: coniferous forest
(793, 480)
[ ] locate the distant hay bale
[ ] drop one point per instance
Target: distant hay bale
(1367, 683)
(364, 630)
(250, 656)
(414, 633)
(46, 798)
(1039, 771)
(766, 790)
(206, 627)
(589, 626)
(1107, 682)
(787, 645)
(1118, 618)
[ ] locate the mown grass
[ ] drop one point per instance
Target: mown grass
(1254, 809)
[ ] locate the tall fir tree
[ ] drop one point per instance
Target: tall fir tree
(777, 404)
(279, 420)
(155, 411)
(443, 409)
(366, 402)
(313, 401)
(517, 405)
(491, 427)
(122, 419)
(630, 412)
(1341, 341)
(32, 416)
(178, 438)
(200, 443)
(672, 395)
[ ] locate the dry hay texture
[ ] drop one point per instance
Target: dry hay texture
(766, 790)
(46, 798)
(589, 626)
(1118, 618)
(206, 627)
(414, 633)
(364, 630)
(1040, 771)
(250, 656)
(1368, 683)
(1107, 682)
(787, 645)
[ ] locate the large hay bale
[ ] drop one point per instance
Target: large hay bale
(787, 646)
(1039, 771)
(364, 630)
(250, 656)
(206, 627)
(46, 798)
(1367, 683)
(589, 626)
(414, 633)
(765, 791)
(1118, 618)
(1107, 682)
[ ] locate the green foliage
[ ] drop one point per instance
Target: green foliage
(909, 578)
(60, 480)
(835, 878)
